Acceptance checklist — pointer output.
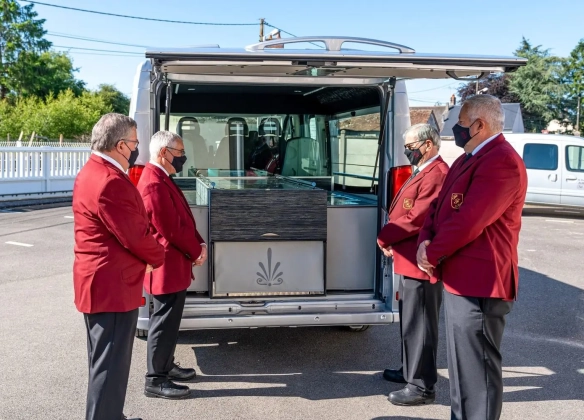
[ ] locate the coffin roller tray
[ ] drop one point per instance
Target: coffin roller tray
(275, 268)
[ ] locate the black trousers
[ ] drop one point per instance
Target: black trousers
(419, 309)
(474, 329)
(110, 336)
(163, 334)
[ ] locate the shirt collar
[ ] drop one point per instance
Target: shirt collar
(109, 159)
(429, 161)
(483, 144)
(158, 165)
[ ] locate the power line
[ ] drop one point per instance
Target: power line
(441, 87)
(420, 100)
(281, 30)
(139, 17)
(82, 38)
(101, 54)
(96, 49)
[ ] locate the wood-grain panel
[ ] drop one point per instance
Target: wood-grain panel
(246, 215)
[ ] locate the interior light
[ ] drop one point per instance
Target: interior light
(191, 89)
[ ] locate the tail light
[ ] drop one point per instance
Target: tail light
(135, 172)
(143, 302)
(397, 177)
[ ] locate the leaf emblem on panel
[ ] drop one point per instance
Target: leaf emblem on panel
(269, 276)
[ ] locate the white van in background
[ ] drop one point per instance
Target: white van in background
(554, 162)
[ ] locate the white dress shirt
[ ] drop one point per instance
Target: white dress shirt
(109, 159)
(161, 167)
(429, 161)
(483, 144)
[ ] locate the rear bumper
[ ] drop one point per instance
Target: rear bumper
(204, 314)
(296, 320)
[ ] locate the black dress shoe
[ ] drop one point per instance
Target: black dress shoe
(181, 374)
(168, 390)
(408, 397)
(393, 375)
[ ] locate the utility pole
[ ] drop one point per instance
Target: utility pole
(577, 131)
(262, 21)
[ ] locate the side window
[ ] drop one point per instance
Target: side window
(575, 158)
(354, 150)
(540, 156)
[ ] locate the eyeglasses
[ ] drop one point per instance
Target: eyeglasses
(130, 141)
(181, 151)
(409, 145)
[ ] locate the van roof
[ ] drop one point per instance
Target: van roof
(270, 58)
(542, 138)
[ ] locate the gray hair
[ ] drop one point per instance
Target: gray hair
(109, 130)
(162, 139)
(424, 132)
(488, 108)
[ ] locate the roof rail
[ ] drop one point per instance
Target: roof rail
(332, 43)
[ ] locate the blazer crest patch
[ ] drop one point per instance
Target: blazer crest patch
(408, 203)
(456, 200)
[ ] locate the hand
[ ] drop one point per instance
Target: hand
(203, 257)
(149, 268)
(422, 258)
(388, 252)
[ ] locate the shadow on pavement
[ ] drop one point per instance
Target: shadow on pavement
(543, 349)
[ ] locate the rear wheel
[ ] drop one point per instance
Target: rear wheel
(357, 328)
(141, 333)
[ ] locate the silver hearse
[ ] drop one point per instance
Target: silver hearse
(294, 151)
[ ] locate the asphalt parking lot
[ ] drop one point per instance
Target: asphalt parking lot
(308, 373)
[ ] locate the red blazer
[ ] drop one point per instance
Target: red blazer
(112, 243)
(173, 225)
(475, 221)
(406, 217)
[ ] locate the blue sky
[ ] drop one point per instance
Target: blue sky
(457, 27)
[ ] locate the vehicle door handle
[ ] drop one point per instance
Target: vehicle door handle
(572, 179)
(553, 177)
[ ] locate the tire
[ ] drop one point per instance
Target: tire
(357, 328)
(141, 333)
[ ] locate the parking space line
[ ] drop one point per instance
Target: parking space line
(68, 217)
(559, 221)
(18, 244)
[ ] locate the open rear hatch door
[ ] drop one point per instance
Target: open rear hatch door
(272, 59)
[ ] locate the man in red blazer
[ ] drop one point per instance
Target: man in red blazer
(419, 296)
(469, 240)
(113, 250)
(173, 225)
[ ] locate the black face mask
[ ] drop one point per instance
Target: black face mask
(178, 163)
(133, 155)
(462, 134)
(414, 156)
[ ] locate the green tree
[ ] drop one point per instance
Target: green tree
(41, 75)
(497, 85)
(67, 114)
(574, 83)
(538, 86)
(119, 102)
(20, 32)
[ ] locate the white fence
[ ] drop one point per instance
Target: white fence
(44, 144)
(39, 170)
